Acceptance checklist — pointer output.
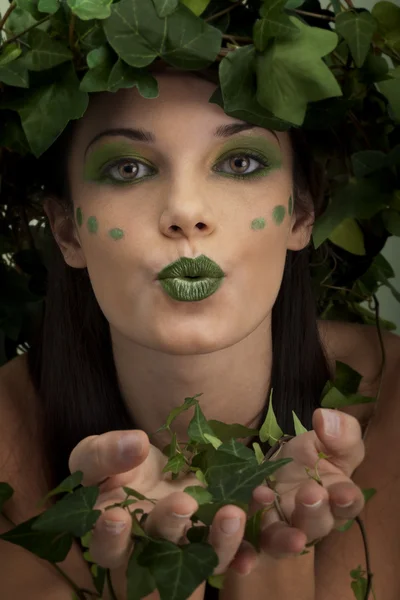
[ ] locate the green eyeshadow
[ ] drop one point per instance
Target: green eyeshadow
(259, 143)
(104, 154)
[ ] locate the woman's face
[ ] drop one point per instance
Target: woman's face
(189, 186)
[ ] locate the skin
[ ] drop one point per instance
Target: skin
(187, 207)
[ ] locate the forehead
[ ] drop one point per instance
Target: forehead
(181, 111)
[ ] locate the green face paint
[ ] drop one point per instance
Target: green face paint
(79, 217)
(290, 209)
(258, 223)
(254, 146)
(116, 233)
(104, 156)
(92, 225)
(278, 214)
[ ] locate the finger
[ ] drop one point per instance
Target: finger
(280, 540)
(339, 435)
(245, 560)
(170, 517)
(346, 500)
(111, 542)
(108, 454)
(262, 497)
(312, 513)
(226, 534)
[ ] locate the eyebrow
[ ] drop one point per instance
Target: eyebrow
(141, 135)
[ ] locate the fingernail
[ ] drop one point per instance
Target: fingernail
(345, 505)
(114, 527)
(315, 505)
(331, 423)
(130, 445)
(182, 516)
(230, 526)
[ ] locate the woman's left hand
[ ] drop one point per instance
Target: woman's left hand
(311, 510)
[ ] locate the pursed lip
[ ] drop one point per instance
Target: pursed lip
(201, 266)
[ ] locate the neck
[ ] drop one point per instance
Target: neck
(234, 382)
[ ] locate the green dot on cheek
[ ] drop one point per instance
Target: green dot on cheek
(278, 214)
(258, 223)
(116, 233)
(92, 224)
(79, 217)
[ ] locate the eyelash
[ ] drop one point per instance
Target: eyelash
(106, 171)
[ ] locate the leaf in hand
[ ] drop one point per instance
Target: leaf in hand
(139, 578)
(68, 485)
(270, 431)
(175, 412)
(178, 570)
(298, 427)
(198, 426)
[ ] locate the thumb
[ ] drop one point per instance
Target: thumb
(339, 436)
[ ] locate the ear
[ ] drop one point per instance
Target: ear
(65, 233)
(301, 226)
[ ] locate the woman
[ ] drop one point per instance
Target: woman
(145, 184)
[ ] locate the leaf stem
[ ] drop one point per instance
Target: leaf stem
(223, 12)
(80, 593)
(367, 558)
(238, 38)
(315, 15)
(8, 12)
(21, 33)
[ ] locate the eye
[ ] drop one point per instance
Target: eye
(240, 162)
(125, 170)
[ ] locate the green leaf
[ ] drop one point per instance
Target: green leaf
(196, 6)
(391, 220)
(68, 485)
(347, 380)
(175, 464)
(217, 581)
(200, 476)
(258, 453)
(298, 427)
(201, 495)
(358, 30)
(366, 162)
(359, 585)
(72, 514)
(125, 76)
(90, 9)
(198, 426)
(15, 74)
(213, 440)
(9, 54)
(348, 235)
(45, 111)
(225, 432)
(274, 24)
(136, 494)
(198, 533)
(390, 88)
(140, 581)
(237, 95)
(139, 35)
(387, 14)
(237, 449)
(335, 399)
(270, 431)
(98, 56)
(175, 412)
(178, 570)
(6, 491)
(253, 529)
(30, 6)
(164, 8)
(49, 6)
(46, 53)
(297, 74)
(49, 546)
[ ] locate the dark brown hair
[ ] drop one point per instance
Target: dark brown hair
(71, 361)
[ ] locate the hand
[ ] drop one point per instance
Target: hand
(312, 511)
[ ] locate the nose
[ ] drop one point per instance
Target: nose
(187, 217)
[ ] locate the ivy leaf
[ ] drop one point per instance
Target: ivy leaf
(130, 492)
(296, 72)
(217, 581)
(90, 9)
(125, 76)
(213, 440)
(225, 432)
(46, 53)
(49, 546)
(30, 6)
(348, 235)
(333, 398)
(347, 380)
(298, 427)
(359, 585)
(175, 412)
(274, 24)
(201, 495)
(178, 570)
(198, 426)
(6, 491)
(68, 485)
(175, 464)
(358, 30)
(165, 7)
(139, 35)
(237, 94)
(239, 450)
(140, 581)
(390, 88)
(72, 514)
(46, 110)
(196, 6)
(391, 220)
(270, 431)
(259, 454)
(253, 529)
(9, 54)
(366, 162)
(49, 6)
(14, 73)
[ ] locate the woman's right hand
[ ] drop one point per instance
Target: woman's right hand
(127, 458)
